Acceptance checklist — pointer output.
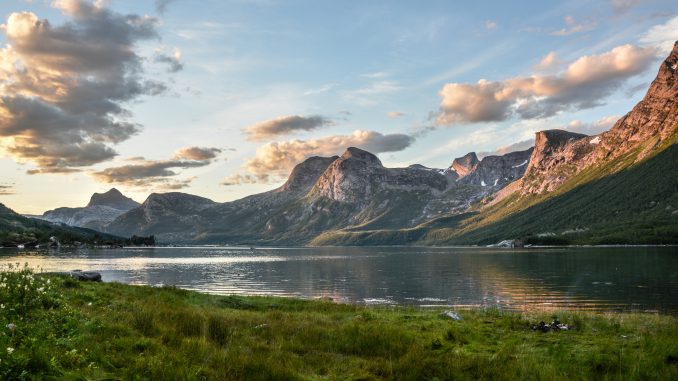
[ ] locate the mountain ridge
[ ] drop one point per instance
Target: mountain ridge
(539, 194)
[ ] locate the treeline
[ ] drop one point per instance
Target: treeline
(141, 240)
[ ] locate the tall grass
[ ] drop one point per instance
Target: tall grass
(71, 330)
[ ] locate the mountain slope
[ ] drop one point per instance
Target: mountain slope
(618, 187)
(16, 229)
(354, 191)
(101, 210)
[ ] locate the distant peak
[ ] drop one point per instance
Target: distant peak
(362, 155)
(465, 164)
(112, 198)
(306, 173)
(555, 138)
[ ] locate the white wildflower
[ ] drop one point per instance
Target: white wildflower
(10, 350)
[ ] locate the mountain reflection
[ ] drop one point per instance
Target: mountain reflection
(574, 278)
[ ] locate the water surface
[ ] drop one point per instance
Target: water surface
(601, 278)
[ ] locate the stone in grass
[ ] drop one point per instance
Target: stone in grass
(453, 315)
(91, 276)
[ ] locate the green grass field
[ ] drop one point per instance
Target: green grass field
(56, 328)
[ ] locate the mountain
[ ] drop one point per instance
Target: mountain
(354, 191)
(170, 213)
(619, 187)
(113, 199)
(101, 209)
(16, 230)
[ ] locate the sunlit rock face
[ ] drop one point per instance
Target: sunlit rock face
(102, 209)
(559, 155)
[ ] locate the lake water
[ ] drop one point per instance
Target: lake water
(602, 279)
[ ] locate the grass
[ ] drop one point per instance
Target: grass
(94, 331)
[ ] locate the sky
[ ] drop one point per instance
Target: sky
(222, 98)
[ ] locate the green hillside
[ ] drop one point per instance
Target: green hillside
(601, 205)
(16, 229)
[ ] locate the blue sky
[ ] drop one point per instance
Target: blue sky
(310, 77)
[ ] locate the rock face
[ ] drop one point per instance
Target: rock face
(113, 199)
(171, 213)
(357, 175)
(305, 174)
(465, 164)
(560, 155)
(498, 171)
(557, 156)
(101, 210)
(655, 118)
(353, 191)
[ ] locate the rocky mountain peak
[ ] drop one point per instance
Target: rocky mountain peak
(353, 153)
(656, 116)
(465, 164)
(114, 199)
(306, 173)
(494, 170)
(552, 139)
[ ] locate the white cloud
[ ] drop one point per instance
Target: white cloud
(489, 24)
(395, 114)
(158, 173)
(662, 36)
(550, 61)
(593, 128)
(64, 88)
(373, 93)
(583, 84)
(276, 159)
(572, 27)
(285, 125)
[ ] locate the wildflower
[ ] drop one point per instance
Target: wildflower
(2, 306)
(11, 326)
(10, 350)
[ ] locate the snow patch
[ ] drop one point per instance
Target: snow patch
(520, 165)
(482, 183)
(495, 182)
(674, 66)
(595, 140)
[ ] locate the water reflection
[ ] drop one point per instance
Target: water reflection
(581, 278)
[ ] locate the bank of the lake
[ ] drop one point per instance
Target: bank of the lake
(57, 328)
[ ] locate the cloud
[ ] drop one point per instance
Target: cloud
(621, 6)
(321, 89)
(395, 114)
(373, 93)
(197, 153)
(161, 5)
(662, 36)
(173, 61)
(6, 190)
(489, 25)
(376, 75)
(593, 128)
(160, 173)
(583, 84)
(572, 27)
(275, 160)
(285, 125)
(63, 87)
(550, 61)
(239, 179)
(503, 150)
